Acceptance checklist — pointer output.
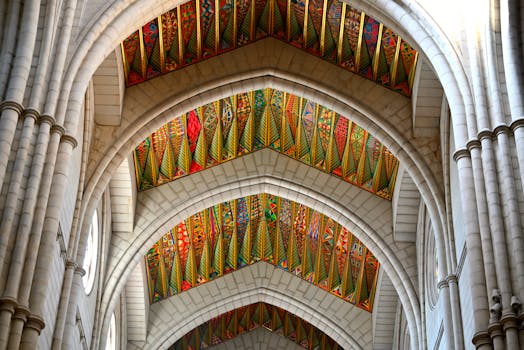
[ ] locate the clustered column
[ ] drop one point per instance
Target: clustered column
(493, 191)
(30, 138)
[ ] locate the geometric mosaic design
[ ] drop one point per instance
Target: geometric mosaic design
(262, 227)
(247, 318)
(266, 118)
(329, 29)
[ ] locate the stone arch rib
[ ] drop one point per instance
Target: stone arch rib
(261, 282)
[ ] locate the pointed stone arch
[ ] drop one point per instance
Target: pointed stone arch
(261, 282)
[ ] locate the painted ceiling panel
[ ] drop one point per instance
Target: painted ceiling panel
(247, 318)
(330, 29)
(263, 227)
(243, 123)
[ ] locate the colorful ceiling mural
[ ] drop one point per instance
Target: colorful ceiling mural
(247, 318)
(243, 123)
(329, 29)
(263, 227)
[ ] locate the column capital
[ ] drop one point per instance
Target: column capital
(474, 143)
(501, 129)
(8, 304)
(485, 134)
(15, 106)
(445, 282)
(35, 322)
(47, 119)
(442, 284)
(509, 320)
(495, 329)
(70, 139)
(452, 278)
(80, 271)
(72, 265)
(21, 313)
(32, 113)
(59, 129)
(481, 338)
(517, 123)
(460, 153)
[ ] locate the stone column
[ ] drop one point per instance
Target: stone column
(39, 290)
(481, 338)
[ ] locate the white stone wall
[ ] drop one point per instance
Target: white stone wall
(384, 312)
(137, 305)
(86, 311)
(466, 304)
(433, 323)
(434, 313)
(426, 100)
(109, 88)
(51, 304)
(68, 207)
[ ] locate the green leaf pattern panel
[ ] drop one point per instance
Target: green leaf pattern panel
(330, 29)
(267, 228)
(247, 318)
(267, 118)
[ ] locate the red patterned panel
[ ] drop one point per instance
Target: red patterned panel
(170, 39)
(152, 49)
(350, 40)
(131, 47)
(369, 43)
(314, 28)
(208, 29)
(226, 25)
(189, 31)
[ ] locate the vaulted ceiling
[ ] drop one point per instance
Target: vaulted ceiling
(243, 123)
(248, 318)
(330, 29)
(263, 227)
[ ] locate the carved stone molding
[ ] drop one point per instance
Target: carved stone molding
(15, 106)
(35, 322)
(517, 123)
(460, 153)
(481, 338)
(69, 139)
